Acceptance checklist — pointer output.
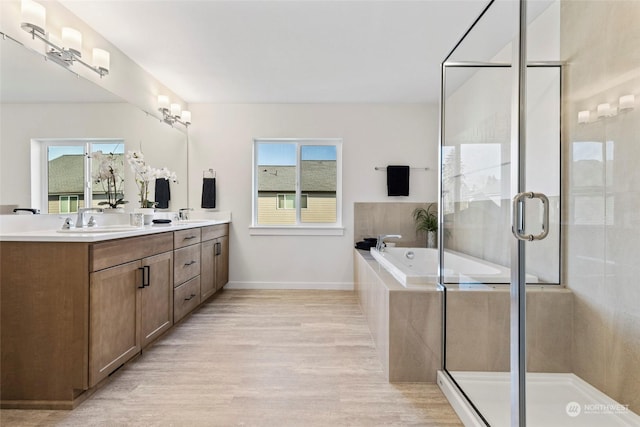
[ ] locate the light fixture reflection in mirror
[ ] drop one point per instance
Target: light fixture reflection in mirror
(65, 51)
(173, 113)
(72, 106)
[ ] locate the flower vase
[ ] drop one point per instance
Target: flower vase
(431, 239)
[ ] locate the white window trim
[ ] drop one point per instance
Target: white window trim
(305, 229)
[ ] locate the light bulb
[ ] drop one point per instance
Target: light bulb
(72, 40)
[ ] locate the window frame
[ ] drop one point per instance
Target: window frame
(299, 228)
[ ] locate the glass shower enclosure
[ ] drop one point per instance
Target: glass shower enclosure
(505, 187)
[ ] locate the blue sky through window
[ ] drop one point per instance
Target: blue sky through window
(273, 154)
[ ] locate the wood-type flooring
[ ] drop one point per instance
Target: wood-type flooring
(257, 358)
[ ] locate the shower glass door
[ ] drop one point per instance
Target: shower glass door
(487, 158)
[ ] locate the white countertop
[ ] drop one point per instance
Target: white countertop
(48, 228)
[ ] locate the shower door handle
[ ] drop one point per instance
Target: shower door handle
(517, 222)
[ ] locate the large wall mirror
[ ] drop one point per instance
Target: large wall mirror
(43, 105)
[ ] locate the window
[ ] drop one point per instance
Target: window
(68, 183)
(68, 204)
(297, 184)
(288, 201)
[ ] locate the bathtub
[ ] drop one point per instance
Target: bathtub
(412, 266)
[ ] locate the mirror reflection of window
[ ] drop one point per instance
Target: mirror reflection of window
(591, 180)
(72, 177)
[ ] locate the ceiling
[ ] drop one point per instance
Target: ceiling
(295, 51)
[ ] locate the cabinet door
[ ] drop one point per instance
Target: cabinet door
(208, 269)
(114, 321)
(157, 296)
(222, 261)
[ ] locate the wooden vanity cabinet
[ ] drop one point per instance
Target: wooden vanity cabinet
(215, 259)
(222, 262)
(130, 302)
(187, 269)
(157, 297)
(114, 325)
(44, 335)
(72, 313)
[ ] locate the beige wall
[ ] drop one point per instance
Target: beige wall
(600, 42)
(372, 135)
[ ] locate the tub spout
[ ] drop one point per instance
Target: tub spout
(380, 243)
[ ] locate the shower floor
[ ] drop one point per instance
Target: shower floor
(562, 400)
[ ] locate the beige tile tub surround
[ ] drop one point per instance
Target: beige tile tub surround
(373, 219)
(406, 324)
(478, 329)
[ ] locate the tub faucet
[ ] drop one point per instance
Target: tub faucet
(380, 243)
(80, 220)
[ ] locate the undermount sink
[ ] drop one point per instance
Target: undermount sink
(190, 221)
(100, 229)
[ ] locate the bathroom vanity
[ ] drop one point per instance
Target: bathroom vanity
(76, 307)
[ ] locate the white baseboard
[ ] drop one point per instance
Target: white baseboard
(323, 286)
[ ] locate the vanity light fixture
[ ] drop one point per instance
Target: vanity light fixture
(627, 102)
(603, 110)
(66, 51)
(583, 116)
(173, 113)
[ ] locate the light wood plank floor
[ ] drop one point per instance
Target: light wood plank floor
(258, 358)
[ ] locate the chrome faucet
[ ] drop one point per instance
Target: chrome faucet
(80, 219)
(380, 243)
(183, 214)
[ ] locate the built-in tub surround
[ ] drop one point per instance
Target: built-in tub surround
(374, 219)
(477, 317)
(415, 266)
(406, 324)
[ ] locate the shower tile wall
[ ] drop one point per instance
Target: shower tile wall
(599, 42)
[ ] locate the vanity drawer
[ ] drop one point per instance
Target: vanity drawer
(186, 264)
(186, 297)
(214, 231)
(120, 251)
(187, 237)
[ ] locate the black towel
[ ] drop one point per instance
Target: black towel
(208, 193)
(397, 180)
(163, 193)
